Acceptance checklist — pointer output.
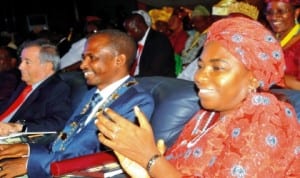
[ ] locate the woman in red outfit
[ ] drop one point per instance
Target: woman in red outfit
(282, 17)
(243, 130)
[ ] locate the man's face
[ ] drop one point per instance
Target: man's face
(200, 23)
(134, 28)
(99, 63)
(31, 68)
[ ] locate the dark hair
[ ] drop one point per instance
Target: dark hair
(120, 42)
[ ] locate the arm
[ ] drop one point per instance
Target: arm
(137, 145)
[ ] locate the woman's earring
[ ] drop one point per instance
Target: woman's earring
(252, 90)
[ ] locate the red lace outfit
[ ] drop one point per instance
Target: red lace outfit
(260, 139)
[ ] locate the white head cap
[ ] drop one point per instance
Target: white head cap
(145, 15)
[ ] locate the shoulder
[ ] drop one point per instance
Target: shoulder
(294, 42)
(54, 84)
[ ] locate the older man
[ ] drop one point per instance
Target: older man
(106, 61)
(41, 102)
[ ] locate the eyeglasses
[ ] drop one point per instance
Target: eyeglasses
(279, 12)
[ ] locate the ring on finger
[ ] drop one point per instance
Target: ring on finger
(117, 129)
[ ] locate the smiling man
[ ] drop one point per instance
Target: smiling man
(105, 64)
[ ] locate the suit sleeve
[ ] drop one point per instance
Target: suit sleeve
(86, 141)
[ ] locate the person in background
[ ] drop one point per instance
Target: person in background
(200, 20)
(10, 76)
(71, 60)
(282, 16)
(105, 63)
(243, 129)
(155, 55)
(222, 9)
(160, 18)
(178, 36)
(42, 100)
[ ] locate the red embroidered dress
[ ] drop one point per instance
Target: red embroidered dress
(260, 139)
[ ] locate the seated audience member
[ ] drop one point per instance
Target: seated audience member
(9, 74)
(105, 63)
(178, 36)
(200, 19)
(282, 16)
(41, 102)
(155, 55)
(71, 60)
(221, 11)
(160, 18)
(243, 130)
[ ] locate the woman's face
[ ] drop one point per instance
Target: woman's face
(222, 80)
(280, 16)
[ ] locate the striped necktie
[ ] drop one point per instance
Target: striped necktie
(135, 63)
(17, 103)
(77, 124)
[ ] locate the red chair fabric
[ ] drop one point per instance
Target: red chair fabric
(60, 168)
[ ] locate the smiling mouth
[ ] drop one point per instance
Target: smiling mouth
(87, 73)
(206, 91)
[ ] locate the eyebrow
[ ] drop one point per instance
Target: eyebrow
(216, 60)
(26, 59)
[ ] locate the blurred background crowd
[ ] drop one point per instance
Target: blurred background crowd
(67, 23)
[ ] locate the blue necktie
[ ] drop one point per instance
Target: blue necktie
(78, 123)
(95, 99)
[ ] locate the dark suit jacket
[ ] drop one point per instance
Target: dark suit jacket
(47, 108)
(86, 141)
(157, 57)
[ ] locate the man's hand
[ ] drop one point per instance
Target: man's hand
(13, 151)
(13, 167)
(8, 128)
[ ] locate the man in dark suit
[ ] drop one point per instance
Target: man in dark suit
(46, 107)
(155, 55)
(106, 61)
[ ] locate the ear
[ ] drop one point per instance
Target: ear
(120, 60)
(253, 84)
(49, 66)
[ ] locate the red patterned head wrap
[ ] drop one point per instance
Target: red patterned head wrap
(253, 45)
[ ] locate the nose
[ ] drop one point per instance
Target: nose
(201, 76)
(84, 63)
(21, 65)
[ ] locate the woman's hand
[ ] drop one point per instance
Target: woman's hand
(132, 168)
(135, 142)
